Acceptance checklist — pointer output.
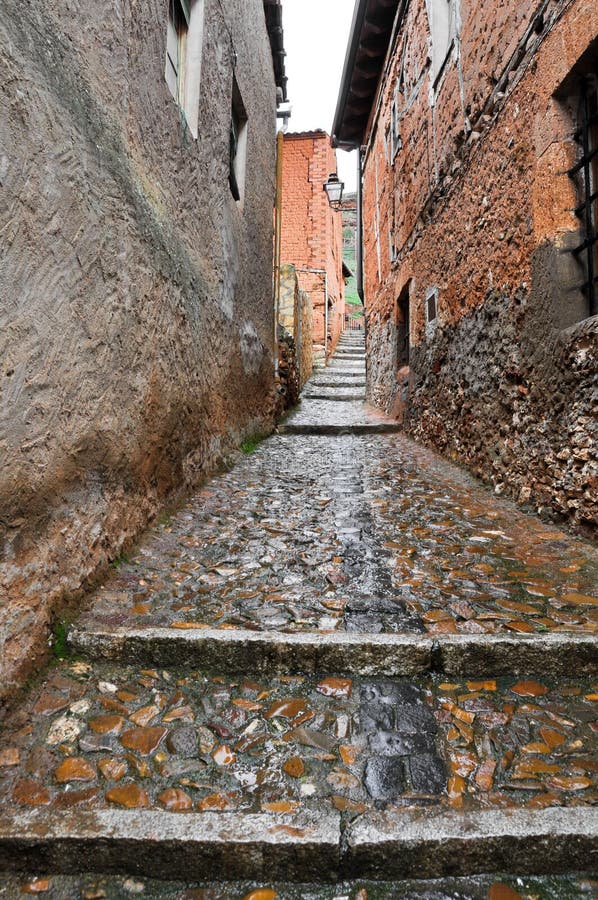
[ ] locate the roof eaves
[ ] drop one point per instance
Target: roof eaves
(371, 33)
(273, 11)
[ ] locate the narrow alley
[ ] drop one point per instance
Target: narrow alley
(343, 669)
(298, 449)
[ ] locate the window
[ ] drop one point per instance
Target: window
(443, 27)
(585, 172)
(431, 304)
(403, 327)
(238, 144)
(176, 39)
(395, 124)
(184, 39)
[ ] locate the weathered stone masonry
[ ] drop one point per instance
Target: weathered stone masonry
(467, 197)
(135, 293)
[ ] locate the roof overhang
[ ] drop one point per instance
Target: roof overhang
(273, 11)
(370, 37)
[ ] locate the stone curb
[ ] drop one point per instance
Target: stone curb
(421, 844)
(391, 655)
(336, 398)
(259, 651)
(405, 843)
(150, 843)
(330, 430)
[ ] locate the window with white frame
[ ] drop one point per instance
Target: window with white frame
(238, 144)
(395, 122)
(184, 39)
(442, 16)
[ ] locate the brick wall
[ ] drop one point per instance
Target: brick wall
(477, 203)
(311, 230)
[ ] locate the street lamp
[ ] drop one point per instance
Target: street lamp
(334, 189)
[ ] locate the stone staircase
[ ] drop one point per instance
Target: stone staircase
(344, 668)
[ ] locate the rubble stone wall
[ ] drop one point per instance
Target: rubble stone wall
(306, 352)
(295, 316)
(136, 306)
(473, 202)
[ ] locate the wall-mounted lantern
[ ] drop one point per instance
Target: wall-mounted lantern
(334, 189)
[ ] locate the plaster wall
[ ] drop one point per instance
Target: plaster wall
(135, 293)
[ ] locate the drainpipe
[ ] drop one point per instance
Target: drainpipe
(325, 317)
(277, 242)
(359, 235)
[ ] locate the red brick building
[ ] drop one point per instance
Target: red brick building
(477, 125)
(312, 232)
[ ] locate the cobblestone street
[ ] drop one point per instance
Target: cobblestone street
(344, 664)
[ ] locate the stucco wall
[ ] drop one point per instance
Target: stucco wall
(135, 294)
(478, 204)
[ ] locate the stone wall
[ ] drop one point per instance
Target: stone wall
(135, 293)
(306, 351)
(295, 316)
(471, 202)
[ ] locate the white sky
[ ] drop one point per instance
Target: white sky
(316, 34)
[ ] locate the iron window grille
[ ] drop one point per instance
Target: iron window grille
(585, 171)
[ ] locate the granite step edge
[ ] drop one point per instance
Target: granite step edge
(243, 650)
(404, 844)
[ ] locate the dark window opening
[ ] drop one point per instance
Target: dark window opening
(403, 328)
(237, 144)
(432, 305)
(235, 128)
(585, 173)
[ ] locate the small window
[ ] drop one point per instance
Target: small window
(403, 327)
(237, 145)
(443, 22)
(184, 39)
(585, 173)
(395, 124)
(179, 16)
(431, 304)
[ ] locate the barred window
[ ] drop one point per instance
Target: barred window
(585, 173)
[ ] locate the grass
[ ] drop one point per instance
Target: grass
(250, 445)
(58, 641)
(121, 560)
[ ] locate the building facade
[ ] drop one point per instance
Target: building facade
(137, 174)
(312, 233)
(477, 125)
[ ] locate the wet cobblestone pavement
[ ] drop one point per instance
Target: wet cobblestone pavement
(358, 533)
(63, 887)
(329, 540)
(95, 736)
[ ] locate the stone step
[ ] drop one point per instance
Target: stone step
(337, 377)
(240, 846)
(476, 887)
(332, 429)
(238, 650)
(325, 417)
(338, 396)
(113, 768)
